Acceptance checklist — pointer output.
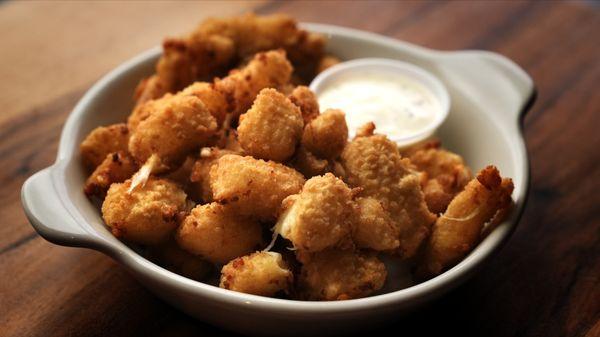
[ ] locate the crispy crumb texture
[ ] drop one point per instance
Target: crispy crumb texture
(253, 186)
(260, 273)
(226, 171)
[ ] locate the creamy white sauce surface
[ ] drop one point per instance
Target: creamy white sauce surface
(399, 106)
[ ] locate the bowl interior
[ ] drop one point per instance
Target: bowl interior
(471, 128)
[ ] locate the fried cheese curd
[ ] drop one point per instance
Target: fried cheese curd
(319, 217)
(373, 227)
(221, 97)
(252, 33)
(181, 125)
(327, 134)
(308, 164)
(373, 163)
(116, 168)
(306, 100)
(260, 273)
(213, 99)
(219, 43)
(148, 89)
(445, 174)
(334, 275)
(270, 69)
(147, 215)
(458, 230)
(253, 186)
(101, 142)
(218, 234)
(142, 111)
(199, 176)
(324, 136)
(192, 58)
(272, 127)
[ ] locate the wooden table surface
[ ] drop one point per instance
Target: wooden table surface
(545, 282)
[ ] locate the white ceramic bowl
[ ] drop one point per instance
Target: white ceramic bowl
(489, 95)
(355, 68)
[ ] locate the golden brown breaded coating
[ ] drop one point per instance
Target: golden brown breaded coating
(200, 172)
(446, 174)
(415, 219)
(177, 260)
(101, 142)
(144, 110)
(425, 144)
(116, 168)
(185, 60)
(458, 230)
(182, 125)
(306, 100)
(147, 215)
(266, 70)
(253, 33)
(372, 227)
(436, 196)
(327, 134)
(218, 234)
(334, 275)
(260, 273)
(254, 186)
(305, 55)
(149, 89)
(219, 42)
(319, 217)
(373, 163)
(327, 61)
(365, 130)
(272, 128)
(213, 99)
(234, 93)
(193, 58)
(308, 164)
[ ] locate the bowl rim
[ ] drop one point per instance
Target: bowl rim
(417, 293)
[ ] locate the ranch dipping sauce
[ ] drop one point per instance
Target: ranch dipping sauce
(399, 106)
(405, 103)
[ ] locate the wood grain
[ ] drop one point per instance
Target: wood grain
(545, 282)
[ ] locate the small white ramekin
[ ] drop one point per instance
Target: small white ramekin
(355, 68)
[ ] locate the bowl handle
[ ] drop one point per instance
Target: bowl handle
(492, 75)
(48, 215)
(514, 74)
